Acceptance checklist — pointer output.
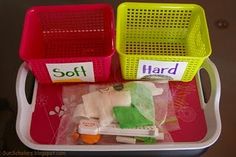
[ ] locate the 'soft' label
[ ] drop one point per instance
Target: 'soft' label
(161, 70)
(71, 72)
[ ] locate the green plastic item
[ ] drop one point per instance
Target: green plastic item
(147, 140)
(130, 117)
(142, 99)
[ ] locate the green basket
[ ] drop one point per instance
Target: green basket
(159, 33)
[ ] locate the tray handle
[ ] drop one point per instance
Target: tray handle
(214, 77)
(25, 109)
(211, 107)
(20, 88)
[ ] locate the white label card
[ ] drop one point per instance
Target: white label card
(71, 72)
(161, 69)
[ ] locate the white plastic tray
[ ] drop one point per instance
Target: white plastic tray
(211, 111)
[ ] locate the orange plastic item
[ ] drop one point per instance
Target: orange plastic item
(90, 139)
(75, 136)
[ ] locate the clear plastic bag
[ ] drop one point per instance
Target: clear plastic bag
(160, 109)
(71, 96)
(165, 110)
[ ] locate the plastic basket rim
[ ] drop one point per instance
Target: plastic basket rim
(79, 6)
(171, 5)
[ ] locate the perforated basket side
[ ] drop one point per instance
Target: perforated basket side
(163, 32)
(80, 33)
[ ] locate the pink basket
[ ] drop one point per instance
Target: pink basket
(68, 34)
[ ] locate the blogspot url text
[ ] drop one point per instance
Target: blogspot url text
(29, 153)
